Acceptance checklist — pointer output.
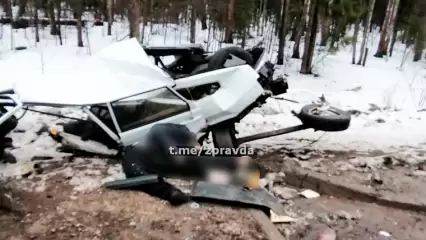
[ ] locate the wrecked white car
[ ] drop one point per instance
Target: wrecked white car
(124, 93)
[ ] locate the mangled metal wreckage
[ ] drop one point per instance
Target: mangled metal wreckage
(125, 94)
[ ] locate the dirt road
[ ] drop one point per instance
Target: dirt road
(58, 211)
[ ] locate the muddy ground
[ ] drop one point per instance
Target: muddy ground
(62, 210)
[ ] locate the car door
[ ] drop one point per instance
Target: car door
(137, 114)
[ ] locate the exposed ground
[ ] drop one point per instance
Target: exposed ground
(61, 210)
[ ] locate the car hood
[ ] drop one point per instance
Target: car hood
(120, 70)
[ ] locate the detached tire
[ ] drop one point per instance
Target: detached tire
(219, 58)
(224, 136)
(329, 120)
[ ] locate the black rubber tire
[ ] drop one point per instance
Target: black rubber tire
(219, 58)
(224, 135)
(340, 121)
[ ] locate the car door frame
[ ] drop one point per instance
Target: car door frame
(195, 122)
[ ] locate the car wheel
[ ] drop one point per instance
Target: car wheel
(224, 135)
(329, 119)
(219, 58)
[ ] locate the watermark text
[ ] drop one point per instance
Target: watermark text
(206, 151)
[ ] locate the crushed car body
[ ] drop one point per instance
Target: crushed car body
(124, 94)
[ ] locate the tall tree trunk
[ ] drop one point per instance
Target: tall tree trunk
(264, 16)
(79, 12)
(366, 33)
(392, 24)
(110, 16)
(192, 23)
(203, 14)
(145, 16)
(22, 8)
(244, 38)
(52, 20)
(311, 33)
(419, 46)
(36, 22)
(301, 29)
(382, 48)
(134, 18)
(231, 24)
(58, 22)
(354, 41)
(283, 32)
(8, 9)
(296, 26)
(325, 24)
(393, 41)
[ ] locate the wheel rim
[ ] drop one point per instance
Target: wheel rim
(325, 113)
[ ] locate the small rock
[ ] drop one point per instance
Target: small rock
(376, 179)
(345, 215)
(271, 176)
(344, 166)
(25, 170)
(284, 192)
(421, 165)
(358, 162)
(387, 161)
(304, 157)
(380, 120)
(263, 182)
(132, 223)
(310, 216)
(309, 194)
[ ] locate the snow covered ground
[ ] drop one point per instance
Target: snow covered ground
(389, 98)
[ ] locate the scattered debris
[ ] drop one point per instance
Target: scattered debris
(385, 234)
(355, 89)
(73, 142)
(284, 192)
(275, 218)
(309, 194)
(374, 107)
(195, 205)
(41, 157)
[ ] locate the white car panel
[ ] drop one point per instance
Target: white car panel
(238, 89)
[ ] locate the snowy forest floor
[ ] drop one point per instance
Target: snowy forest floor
(383, 151)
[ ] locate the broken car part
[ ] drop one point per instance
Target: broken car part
(136, 94)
